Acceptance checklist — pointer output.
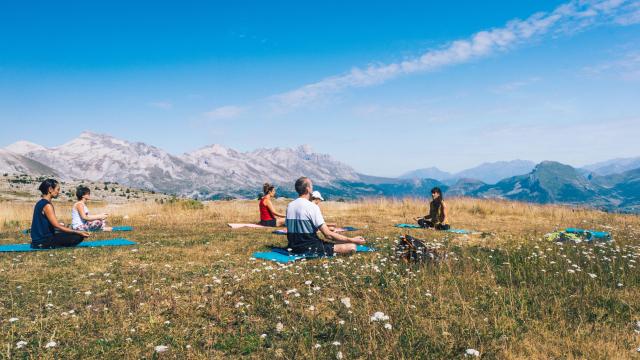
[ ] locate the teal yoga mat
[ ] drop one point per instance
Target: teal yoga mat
(591, 234)
(115, 229)
(98, 243)
(282, 256)
(414, 226)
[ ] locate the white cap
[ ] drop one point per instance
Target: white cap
(317, 195)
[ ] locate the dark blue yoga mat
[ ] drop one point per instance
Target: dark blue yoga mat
(98, 243)
(283, 256)
(114, 229)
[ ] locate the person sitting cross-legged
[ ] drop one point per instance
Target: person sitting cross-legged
(46, 230)
(304, 219)
(80, 218)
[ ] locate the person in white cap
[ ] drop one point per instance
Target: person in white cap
(317, 198)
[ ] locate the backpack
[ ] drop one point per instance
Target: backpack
(414, 250)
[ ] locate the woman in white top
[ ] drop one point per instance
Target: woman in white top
(80, 218)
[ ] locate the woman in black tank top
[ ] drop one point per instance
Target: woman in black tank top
(46, 230)
(437, 217)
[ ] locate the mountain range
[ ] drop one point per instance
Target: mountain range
(215, 172)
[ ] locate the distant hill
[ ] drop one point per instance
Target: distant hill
(490, 172)
(12, 163)
(427, 173)
(614, 166)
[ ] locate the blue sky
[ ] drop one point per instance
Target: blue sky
(384, 86)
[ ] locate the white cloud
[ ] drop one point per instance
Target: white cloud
(514, 85)
(165, 105)
(627, 67)
(567, 18)
(225, 112)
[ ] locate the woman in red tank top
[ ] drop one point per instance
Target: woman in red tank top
(268, 214)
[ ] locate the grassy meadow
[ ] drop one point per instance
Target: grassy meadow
(190, 289)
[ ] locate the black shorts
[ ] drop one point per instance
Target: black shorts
(269, 223)
(320, 248)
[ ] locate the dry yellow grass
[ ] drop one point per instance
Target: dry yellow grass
(190, 285)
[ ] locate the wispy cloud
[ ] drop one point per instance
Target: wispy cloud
(165, 105)
(514, 85)
(225, 112)
(627, 67)
(565, 19)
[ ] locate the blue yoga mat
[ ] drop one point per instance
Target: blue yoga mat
(283, 256)
(408, 226)
(114, 229)
(591, 234)
(99, 243)
(414, 226)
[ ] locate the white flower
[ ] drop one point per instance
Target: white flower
(167, 322)
(20, 344)
(51, 344)
(308, 282)
(571, 271)
(49, 292)
(336, 343)
(263, 336)
(312, 308)
(161, 348)
(379, 316)
(339, 355)
(387, 326)
(593, 276)
(87, 292)
(472, 352)
(279, 327)
(13, 319)
(317, 346)
(346, 302)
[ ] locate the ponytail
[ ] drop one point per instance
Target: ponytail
(266, 188)
(47, 185)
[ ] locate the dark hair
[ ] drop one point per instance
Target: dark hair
(436, 190)
(82, 191)
(266, 188)
(302, 185)
(46, 185)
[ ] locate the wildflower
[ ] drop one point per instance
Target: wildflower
(388, 326)
(308, 282)
(87, 293)
(339, 355)
(20, 344)
(161, 348)
(379, 316)
(346, 302)
(317, 346)
(593, 276)
(336, 343)
(279, 327)
(472, 352)
(571, 271)
(49, 292)
(13, 319)
(263, 336)
(312, 308)
(51, 344)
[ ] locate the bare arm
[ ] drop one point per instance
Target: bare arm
(272, 209)
(444, 212)
(51, 216)
(80, 208)
(324, 229)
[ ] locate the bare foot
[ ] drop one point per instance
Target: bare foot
(108, 228)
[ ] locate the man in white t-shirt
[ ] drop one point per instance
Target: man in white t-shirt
(304, 219)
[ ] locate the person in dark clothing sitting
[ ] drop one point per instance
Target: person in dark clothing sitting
(437, 217)
(46, 230)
